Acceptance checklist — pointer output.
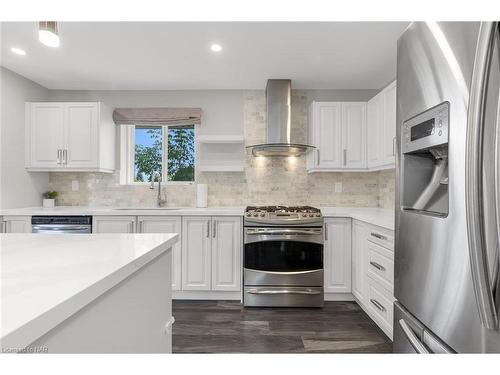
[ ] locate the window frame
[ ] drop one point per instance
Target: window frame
(127, 155)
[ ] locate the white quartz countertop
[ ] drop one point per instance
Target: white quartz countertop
(134, 211)
(376, 216)
(47, 278)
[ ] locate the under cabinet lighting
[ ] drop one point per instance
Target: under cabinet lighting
(18, 51)
(48, 33)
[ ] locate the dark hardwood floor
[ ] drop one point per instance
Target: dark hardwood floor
(227, 327)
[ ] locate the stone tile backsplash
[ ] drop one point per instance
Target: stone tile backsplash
(264, 180)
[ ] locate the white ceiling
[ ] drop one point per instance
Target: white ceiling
(174, 56)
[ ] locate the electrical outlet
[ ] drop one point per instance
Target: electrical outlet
(338, 187)
(75, 185)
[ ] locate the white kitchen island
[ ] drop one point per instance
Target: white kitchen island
(83, 293)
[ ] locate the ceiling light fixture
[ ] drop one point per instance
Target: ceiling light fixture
(216, 47)
(18, 51)
(48, 33)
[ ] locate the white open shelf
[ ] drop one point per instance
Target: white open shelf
(221, 153)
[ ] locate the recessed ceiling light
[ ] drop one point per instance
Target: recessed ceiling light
(48, 33)
(18, 51)
(216, 47)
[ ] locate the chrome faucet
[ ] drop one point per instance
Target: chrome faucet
(159, 200)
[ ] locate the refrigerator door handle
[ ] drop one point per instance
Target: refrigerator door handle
(412, 338)
(474, 182)
(496, 268)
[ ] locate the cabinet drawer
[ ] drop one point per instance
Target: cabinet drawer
(381, 236)
(380, 265)
(380, 306)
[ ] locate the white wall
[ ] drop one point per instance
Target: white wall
(18, 188)
(222, 109)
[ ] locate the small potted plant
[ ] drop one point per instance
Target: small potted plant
(49, 199)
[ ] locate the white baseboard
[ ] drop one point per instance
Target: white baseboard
(339, 297)
(210, 295)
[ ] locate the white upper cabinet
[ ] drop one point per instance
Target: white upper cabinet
(45, 129)
(375, 119)
(389, 127)
(337, 129)
(326, 135)
(69, 137)
(382, 129)
(354, 135)
(81, 135)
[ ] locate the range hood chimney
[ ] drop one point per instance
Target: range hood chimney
(279, 122)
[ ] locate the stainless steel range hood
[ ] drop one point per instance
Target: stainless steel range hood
(279, 124)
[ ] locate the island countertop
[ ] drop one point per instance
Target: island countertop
(47, 278)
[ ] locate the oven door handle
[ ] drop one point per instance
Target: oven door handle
(281, 232)
(309, 292)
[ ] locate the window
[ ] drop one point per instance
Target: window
(166, 149)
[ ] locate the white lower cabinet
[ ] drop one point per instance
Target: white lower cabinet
(165, 224)
(211, 253)
(113, 224)
(380, 265)
(358, 260)
(196, 257)
(337, 255)
(380, 305)
(207, 256)
(16, 224)
(226, 253)
(373, 272)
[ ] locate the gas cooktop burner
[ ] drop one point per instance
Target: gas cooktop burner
(307, 209)
(282, 214)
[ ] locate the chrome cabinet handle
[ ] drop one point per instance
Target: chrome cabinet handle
(4, 227)
(394, 146)
(412, 338)
(284, 291)
(65, 156)
(318, 156)
(377, 266)
(214, 228)
(377, 304)
(474, 179)
(141, 226)
(59, 156)
(379, 236)
(326, 232)
(345, 157)
(208, 229)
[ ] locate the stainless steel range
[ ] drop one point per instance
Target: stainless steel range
(283, 256)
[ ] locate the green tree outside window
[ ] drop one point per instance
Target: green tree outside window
(180, 155)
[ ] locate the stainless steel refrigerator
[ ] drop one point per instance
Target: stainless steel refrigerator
(448, 189)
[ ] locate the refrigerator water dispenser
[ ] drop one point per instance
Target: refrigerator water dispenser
(425, 162)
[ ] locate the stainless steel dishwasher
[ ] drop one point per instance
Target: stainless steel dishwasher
(61, 224)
